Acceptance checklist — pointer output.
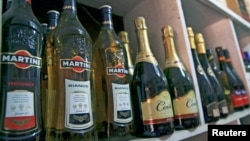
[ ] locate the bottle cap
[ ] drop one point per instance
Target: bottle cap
(199, 38)
(140, 23)
(53, 14)
(190, 31)
(123, 35)
(106, 9)
(167, 31)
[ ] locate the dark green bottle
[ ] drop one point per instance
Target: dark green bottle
(218, 91)
(152, 105)
(180, 84)
(20, 69)
(208, 100)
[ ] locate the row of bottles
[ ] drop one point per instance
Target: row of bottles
(57, 84)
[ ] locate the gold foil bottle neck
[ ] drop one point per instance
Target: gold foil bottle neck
(201, 49)
(140, 23)
(123, 35)
(167, 31)
(190, 31)
(199, 38)
(191, 37)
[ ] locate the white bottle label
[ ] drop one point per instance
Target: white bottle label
(19, 110)
(122, 104)
(78, 108)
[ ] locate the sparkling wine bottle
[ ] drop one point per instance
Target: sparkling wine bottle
(218, 91)
(181, 85)
(123, 35)
(112, 83)
(20, 68)
(152, 105)
(208, 99)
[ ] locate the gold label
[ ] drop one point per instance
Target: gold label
(146, 57)
(185, 106)
(157, 109)
(200, 69)
(173, 62)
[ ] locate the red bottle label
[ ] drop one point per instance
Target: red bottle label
(237, 99)
(19, 110)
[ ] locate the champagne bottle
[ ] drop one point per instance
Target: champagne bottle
(222, 77)
(243, 91)
(123, 35)
(180, 84)
(208, 100)
(20, 68)
(152, 105)
(112, 84)
(236, 93)
(218, 91)
(47, 91)
(71, 90)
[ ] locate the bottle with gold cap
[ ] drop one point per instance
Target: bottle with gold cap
(180, 83)
(218, 90)
(123, 35)
(208, 100)
(152, 105)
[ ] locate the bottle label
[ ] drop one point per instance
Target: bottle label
(226, 91)
(210, 71)
(146, 57)
(237, 99)
(78, 106)
(122, 103)
(213, 110)
(200, 70)
(223, 106)
(157, 109)
(77, 64)
(245, 97)
(173, 62)
(19, 110)
(22, 59)
(185, 106)
(118, 70)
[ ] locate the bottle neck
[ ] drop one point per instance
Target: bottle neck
(107, 21)
(126, 45)
(170, 51)
(53, 20)
(143, 41)
(69, 9)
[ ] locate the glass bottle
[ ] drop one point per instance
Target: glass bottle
(47, 91)
(20, 68)
(236, 93)
(152, 105)
(180, 83)
(222, 77)
(123, 35)
(208, 100)
(241, 86)
(71, 88)
(112, 84)
(218, 91)
(246, 53)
